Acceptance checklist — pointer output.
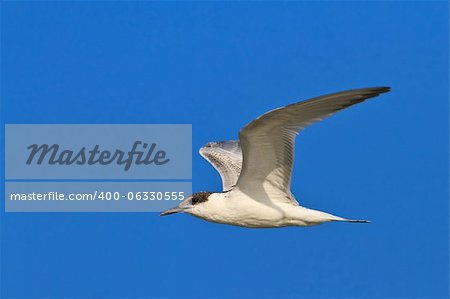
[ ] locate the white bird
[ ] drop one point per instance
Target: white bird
(257, 179)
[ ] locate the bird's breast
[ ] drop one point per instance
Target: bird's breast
(247, 212)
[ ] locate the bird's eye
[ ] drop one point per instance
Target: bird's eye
(194, 200)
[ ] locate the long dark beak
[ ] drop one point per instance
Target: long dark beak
(171, 211)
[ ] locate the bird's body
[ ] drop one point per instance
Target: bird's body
(237, 208)
(256, 170)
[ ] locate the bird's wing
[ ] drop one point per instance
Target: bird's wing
(268, 142)
(226, 157)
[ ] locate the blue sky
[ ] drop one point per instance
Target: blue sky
(218, 65)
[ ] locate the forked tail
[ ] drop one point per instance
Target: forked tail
(315, 216)
(356, 221)
(337, 218)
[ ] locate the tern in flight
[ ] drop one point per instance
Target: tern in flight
(256, 170)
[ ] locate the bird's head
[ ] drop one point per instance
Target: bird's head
(191, 205)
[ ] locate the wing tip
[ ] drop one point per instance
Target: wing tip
(380, 89)
(370, 90)
(373, 91)
(364, 94)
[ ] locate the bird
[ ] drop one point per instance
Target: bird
(256, 170)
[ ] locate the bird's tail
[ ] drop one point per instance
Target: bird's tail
(326, 217)
(355, 221)
(341, 219)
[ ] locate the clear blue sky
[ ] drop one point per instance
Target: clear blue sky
(197, 62)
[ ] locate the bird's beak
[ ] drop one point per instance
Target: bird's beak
(171, 211)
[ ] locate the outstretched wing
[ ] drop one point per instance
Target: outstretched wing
(268, 141)
(226, 157)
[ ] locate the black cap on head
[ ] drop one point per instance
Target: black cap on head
(200, 197)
